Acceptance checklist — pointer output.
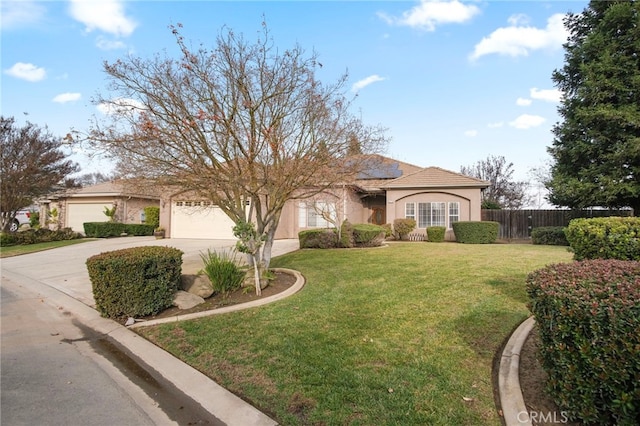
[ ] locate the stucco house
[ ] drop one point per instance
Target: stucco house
(387, 190)
(87, 204)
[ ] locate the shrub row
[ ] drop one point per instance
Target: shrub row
(115, 229)
(135, 282)
(476, 232)
(605, 238)
(40, 235)
(588, 314)
(549, 235)
(358, 235)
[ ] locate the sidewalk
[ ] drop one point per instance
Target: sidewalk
(60, 277)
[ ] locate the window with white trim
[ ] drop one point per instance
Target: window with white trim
(410, 211)
(431, 214)
(454, 213)
(316, 214)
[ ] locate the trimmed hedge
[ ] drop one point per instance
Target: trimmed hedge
(152, 216)
(368, 235)
(135, 282)
(40, 235)
(435, 234)
(318, 238)
(403, 227)
(346, 235)
(605, 238)
(588, 314)
(549, 235)
(476, 232)
(116, 229)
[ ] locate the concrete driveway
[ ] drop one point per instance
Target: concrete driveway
(65, 268)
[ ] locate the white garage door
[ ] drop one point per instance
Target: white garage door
(196, 219)
(77, 214)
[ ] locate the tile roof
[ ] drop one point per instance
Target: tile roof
(435, 177)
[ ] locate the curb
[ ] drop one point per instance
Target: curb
(511, 398)
(297, 286)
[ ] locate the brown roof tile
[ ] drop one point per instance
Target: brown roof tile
(435, 177)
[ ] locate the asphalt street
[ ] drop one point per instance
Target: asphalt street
(54, 371)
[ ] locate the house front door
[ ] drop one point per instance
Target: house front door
(378, 217)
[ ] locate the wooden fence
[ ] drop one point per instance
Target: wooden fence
(517, 224)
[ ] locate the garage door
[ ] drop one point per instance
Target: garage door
(197, 219)
(77, 214)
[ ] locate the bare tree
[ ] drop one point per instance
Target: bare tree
(244, 125)
(32, 163)
(503, 191)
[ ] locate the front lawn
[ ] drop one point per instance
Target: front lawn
(400, 335)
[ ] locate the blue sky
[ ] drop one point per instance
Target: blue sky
(453, 81)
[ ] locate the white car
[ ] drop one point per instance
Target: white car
(22, 217)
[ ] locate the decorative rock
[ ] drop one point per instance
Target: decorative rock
(197, 284)
(186, 300)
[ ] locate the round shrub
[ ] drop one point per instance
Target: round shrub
(368, 235)
(435, 234)
(476, 232)
(318, 238)
(605, 238)
(549, 236)
(132, 282)
(403, 227)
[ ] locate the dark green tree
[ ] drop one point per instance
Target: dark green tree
(596, 148)
(32, 163)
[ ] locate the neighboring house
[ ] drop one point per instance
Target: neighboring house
(88, 204)
(388, 190)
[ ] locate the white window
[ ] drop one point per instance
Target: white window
(317, 214)
(454, 213)
(410, 211)
(431, 214)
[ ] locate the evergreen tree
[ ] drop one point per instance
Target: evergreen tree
(596, 149)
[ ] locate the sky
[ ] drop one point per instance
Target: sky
(453, 82)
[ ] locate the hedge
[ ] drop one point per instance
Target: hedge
(549, 235)
(368, 235)
(40, 235)
(318, 238)
(476, 232)
(116, 229)
(588, 315)
(135, 282)
(435, 234)
(605, 238)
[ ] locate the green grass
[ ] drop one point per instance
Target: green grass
(403, 335)
(8, 251)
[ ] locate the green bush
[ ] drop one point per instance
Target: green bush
(549, 236)
(116, 229)
(605, 238)
(223, 271)
(388, 230)
(135, 282)
(152, 216)
(7, 239)
(34, 219)
(588, 315)
(435, 234)
(346, 235)
(403, 227)
(318, 238)
(473, 232)
(368, 235)
(40, 235)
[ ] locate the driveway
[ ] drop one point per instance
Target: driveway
(65, 268)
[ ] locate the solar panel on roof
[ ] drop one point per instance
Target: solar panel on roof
(380, 170)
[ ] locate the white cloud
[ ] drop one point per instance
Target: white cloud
(519, 40)
(526, 121)
(523, 102)
(67, 97)
(105, 44)
(471, 133)
(27, 72)
(120, 106)
(361, 84)
(548, 95)
(15, 14)
(431, 13)
(103, 15)
(495, 125)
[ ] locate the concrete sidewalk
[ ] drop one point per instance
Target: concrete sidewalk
(61, 279)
